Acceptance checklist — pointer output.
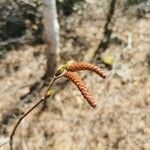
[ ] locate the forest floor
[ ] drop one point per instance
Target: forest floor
(121, 119)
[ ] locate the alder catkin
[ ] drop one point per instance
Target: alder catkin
(75, 78)
(85, 66)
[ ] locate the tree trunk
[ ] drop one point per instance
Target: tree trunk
(51, 28)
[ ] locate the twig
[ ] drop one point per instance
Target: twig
(44, 98)
(4, 141)
(20, 39)
(104, 43)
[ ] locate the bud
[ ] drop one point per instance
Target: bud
(60, 70)
(49, 93)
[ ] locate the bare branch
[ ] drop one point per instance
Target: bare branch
(44, 98)
(104, 43)
(9, 41)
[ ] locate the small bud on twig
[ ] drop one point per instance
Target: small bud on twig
(60, 70)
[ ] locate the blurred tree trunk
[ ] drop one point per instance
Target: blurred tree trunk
(51, 28)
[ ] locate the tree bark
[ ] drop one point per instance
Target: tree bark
(51, 32)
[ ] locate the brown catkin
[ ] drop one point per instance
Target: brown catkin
(85, 66)
(75, 78)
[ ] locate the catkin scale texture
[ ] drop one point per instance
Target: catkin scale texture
(85, 66)
(74, 77)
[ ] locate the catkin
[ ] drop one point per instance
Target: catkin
(85, 66)
(75, 78)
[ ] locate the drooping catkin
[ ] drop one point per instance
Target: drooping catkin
(85, 66)
(75, 78)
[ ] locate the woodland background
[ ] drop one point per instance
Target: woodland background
(113, 34)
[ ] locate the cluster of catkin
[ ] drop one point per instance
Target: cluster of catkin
(70, 72)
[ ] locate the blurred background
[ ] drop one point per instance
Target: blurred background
(114, 35)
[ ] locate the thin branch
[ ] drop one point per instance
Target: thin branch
(17, 124)
(104, 43)
(9, 41)
(4, 141)
(44, 98)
